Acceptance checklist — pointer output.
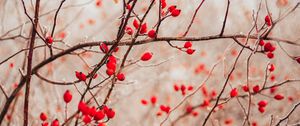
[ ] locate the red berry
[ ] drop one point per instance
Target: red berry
(116, 49)
(43, 116)
(262, 103)
(270, 55)
(143, 29)
(67, 96)
(163, 4)
(261, 42)
(268, 20)
(146, 56)
(136, 24)
(182, 88)
(129, 30)
(176, 87)
(144, 102)
(273, 89)
(189, 109)
(121, 77)
(298, 59)
(233, 92)
(190, 51)
(45, 124)
(82, 107)
(55, 122)
(279, 97)
(165, 109)
(99, 115)
(190, 88)
(110, 113)
(111, 65)
(110, 72)
(188, 44)
(101, 124)
(103, 47)
(245, 88)
(128, 7)
(175, 12)
(87, 119)
(49, 40)
(152, 34)
(271, 67)
(256, 89)
(171, 8)
(261, 109)
(80, 76)
(153, 99)
(92, 111)
(268, 47)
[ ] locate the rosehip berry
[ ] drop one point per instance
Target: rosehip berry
(128, 7)
(268, 47)
(110, 113)
(146, 56)
(270, 55)
(49, 40)
(80, 76)
(82, 106)
(129, 30)
(298, 59)
(245, 88)
(136, 24)
(195, 113)
(176, 87)
(261, 109)
(99, 115)
(55, 122)
(43, 116)
(273, 89)
(261, 42)
(103, 47)
(165, 109)
(86, 119)
(101, 124)
(144, 102)
(190, 51)
(268, 20)
(92, 111)
(271, 67)
(171, 8)
(110, 72)
(121, 77)
(143, 29)
(190, 88)
(163, 4)
(233, 92)
(45, 124)
(189, 109)
(256, 89)
(279, 97)
(67, 96)
(188, 44)
(262, 103)
(175, 12)
(116, 49)
(153, 100)
(152, 34)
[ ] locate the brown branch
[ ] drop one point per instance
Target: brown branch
(225, 18)
(193, 18)
(29, 61)
(289, 114)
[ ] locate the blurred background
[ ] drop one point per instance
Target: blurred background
(81, 21)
